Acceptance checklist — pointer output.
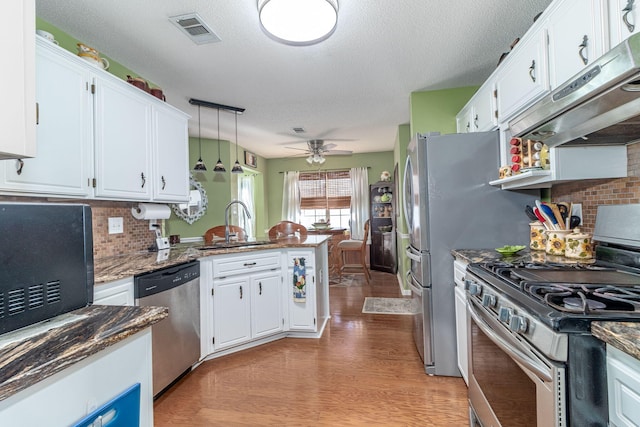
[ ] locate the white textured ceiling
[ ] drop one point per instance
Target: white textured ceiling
(354, 86)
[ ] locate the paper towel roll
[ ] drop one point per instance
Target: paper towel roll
(151, 211)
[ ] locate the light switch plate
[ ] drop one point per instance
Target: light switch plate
(116, 225)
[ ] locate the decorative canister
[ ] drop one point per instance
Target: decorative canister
(537, 238)
(556, 241)
(578, 245)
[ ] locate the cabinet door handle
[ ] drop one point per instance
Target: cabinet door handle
(532, 70)
(37, 113)
(468, 127)
(625, 18)
(164, 183)
(240, 292)
(475, 121)
(20, 165)
(260, 286)
(582, 46)
(144, 179)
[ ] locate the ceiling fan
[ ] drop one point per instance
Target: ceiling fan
(317, 149)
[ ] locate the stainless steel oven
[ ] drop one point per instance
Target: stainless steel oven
(510, 383)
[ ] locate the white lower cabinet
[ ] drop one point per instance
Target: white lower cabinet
(459, 271)
(302, 314)
(247, 298)
(623, 383)
(119, 292)
(71, 394)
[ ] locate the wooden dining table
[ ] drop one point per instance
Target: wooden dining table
(337, 235)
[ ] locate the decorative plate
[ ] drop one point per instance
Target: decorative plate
(510, 249)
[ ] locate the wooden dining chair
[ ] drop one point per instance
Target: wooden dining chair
(356, 247)
(287, 229)
(219, 231)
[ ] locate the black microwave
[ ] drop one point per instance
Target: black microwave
(46, 261)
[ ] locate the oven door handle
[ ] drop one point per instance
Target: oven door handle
(514, 353)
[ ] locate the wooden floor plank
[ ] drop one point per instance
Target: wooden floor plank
(365, 370)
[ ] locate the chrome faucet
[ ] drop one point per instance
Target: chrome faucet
(226, 217)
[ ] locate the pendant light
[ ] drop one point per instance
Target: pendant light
(236, 166)
(219, 166)
(199, 166)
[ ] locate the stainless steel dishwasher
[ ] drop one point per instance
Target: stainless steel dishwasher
(176, 339)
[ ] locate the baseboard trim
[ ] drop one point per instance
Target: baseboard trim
(403, 291)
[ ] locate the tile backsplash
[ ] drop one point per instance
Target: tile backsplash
(136, 236)
(591, 193)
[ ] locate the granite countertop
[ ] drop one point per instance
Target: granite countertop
(525, 255)
(624, 336)
(34, 353)
(113, 268)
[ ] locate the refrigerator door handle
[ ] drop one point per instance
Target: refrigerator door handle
(413, 254)
(414, 285)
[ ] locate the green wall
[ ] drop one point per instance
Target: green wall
(435, 111)
(377, 162)
(221, 188)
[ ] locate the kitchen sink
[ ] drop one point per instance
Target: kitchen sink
(230, 245)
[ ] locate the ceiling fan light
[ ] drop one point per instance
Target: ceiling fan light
(321, 160)
(298, 22)
(310, 159)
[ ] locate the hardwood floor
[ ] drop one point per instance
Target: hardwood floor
(365, 370)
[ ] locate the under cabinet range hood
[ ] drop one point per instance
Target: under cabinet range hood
(600, 106)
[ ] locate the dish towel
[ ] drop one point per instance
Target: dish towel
(299, 280)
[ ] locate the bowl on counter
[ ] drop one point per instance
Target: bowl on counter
(321, 225)
(385, 228)
(510, 249)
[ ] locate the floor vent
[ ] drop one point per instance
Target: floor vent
(194, 27)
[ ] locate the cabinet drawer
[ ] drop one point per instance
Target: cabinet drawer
(459, 272)
(242, 264)
(309, 258)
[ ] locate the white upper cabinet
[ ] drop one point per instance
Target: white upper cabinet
(523, 77)
(577, 37)
(122, 141)
(99, 137)
(63, 163)
(624, 20)
(18, 118)
(480, 113)
(171, 156)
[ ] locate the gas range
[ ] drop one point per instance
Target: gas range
(532, 323)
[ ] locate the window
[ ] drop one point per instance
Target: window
(325, 196)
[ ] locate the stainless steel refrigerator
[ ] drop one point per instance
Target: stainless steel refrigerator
(449, 204)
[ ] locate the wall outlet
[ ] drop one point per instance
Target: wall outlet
(116, 225)
(577, 211)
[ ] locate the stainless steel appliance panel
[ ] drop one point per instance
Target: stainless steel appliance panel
(176, 339)
(509, 384)
(422, 327)
(453, 207)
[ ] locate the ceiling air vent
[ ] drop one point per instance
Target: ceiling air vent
(194, 27)
(299, 130)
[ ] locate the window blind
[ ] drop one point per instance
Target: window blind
(325, 190)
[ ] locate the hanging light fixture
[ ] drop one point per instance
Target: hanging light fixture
(199, 166)
(219, 166)
(298, 22)
(236, 166)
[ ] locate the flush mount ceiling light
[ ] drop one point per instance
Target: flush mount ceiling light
(298, 22)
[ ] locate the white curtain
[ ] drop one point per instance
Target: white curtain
(291, 197)
(359, 201)
(245, 194)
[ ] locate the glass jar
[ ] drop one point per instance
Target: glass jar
(537, 237)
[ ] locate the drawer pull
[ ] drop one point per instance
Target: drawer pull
(249, 264)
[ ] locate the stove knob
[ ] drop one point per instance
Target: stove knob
(475, 289)
(505, 314)
(489, 300)
(518, 324)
